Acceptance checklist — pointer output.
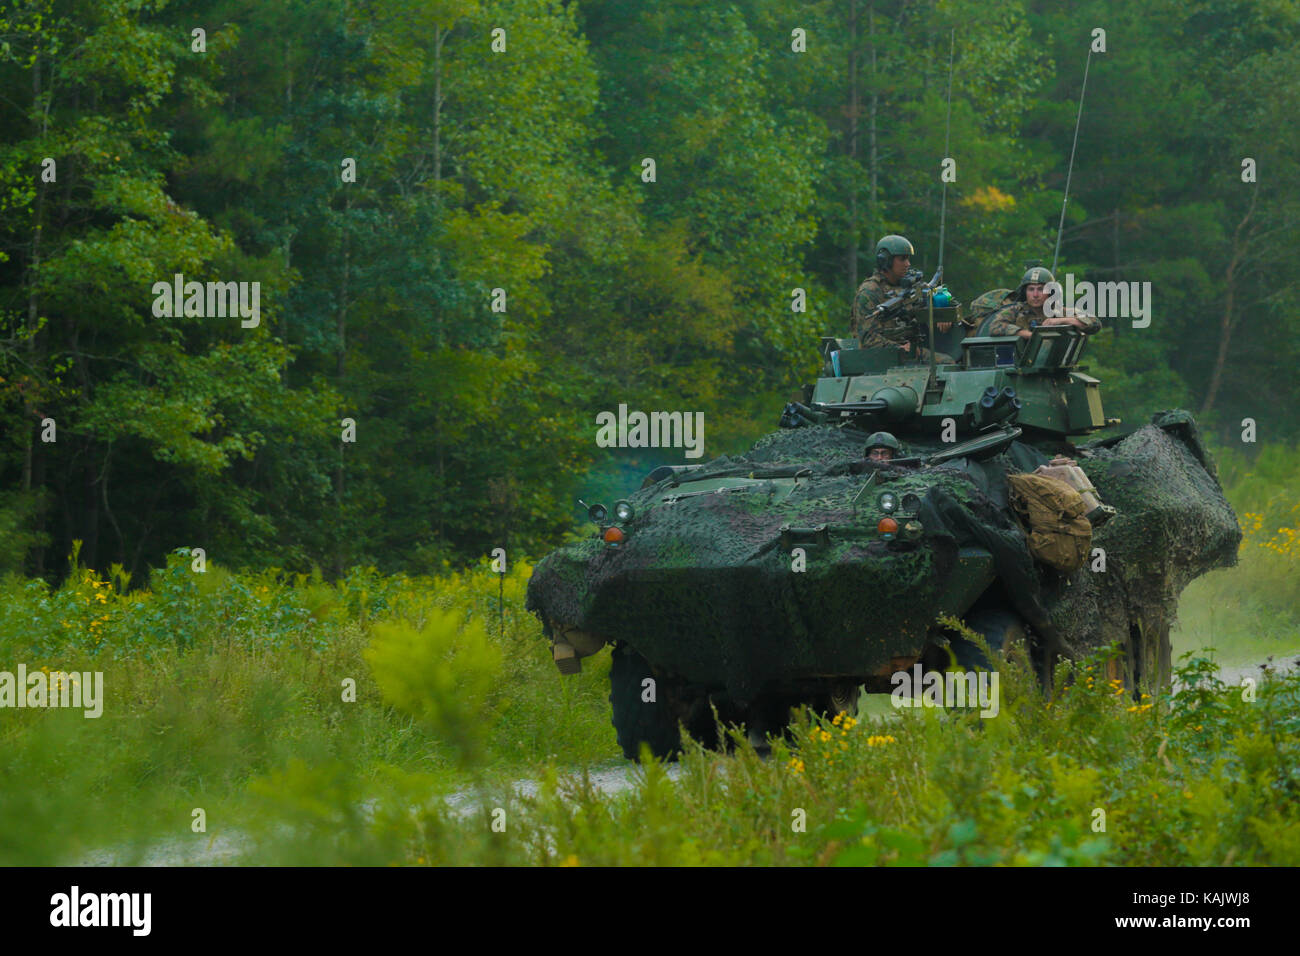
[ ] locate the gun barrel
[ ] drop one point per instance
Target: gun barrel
(894, 403)
(899, 402)
(796, 414)
(869, 405)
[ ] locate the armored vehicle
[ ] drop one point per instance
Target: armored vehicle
(803, 570)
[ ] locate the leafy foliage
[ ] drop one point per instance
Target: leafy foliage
(457, 250)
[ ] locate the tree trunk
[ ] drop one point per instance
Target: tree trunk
(341, 328)
(852, 251)
(442, 480)
(439, 35)
(108, 509)
(1114, 247)
(33, 451)
(90, 525)
(288, 226)
(1227, 320)
(875, 102)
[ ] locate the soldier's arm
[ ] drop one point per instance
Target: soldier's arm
(866, 300)
(1005, 324)
(864, 303)
(1088, 323)
(858, 312)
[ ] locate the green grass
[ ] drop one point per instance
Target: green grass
(1095, 779)
(218, 680)
(1217, 616)
(226, 692)
(1251, 611)
(247, 721)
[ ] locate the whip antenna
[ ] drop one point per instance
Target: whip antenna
(947, 136)
(1066, 200)
(943, 212)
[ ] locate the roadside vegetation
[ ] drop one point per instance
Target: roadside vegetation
(226, 692)
(1251, 611)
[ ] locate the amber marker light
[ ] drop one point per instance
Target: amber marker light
(613, 535)
(888, 527)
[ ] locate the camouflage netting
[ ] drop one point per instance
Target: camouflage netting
(703, 585)
(1173, 526)
(825, 444)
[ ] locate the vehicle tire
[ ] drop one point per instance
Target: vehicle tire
(844, 698)
(1002, 630)
(841, 697)
(768, 715)
(702, 726)
(637, 721)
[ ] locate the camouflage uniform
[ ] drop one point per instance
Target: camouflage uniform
(890, 330)
(875, 289)
(1016, 316)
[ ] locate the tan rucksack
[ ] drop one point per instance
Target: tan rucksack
(1053, 514)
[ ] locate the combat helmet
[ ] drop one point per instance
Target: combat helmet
(884, 440)
(1034, 275)
(891, 246)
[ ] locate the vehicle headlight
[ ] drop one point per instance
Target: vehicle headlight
(623, 511)
(888, 502)
(597, 513)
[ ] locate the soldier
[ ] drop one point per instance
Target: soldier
(1026, 309)
(893, 260)
(882, 446)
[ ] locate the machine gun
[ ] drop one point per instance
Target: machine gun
(890, 405)
(907, 306)
(909, 297)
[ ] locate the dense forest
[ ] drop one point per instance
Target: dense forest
(462, 255)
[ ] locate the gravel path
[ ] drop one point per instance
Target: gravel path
(1278, 664)
(230, 847)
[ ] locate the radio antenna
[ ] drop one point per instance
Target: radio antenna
(947, 137)
(1066, 199)
(943, 212)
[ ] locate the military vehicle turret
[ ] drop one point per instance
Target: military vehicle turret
(803, 570)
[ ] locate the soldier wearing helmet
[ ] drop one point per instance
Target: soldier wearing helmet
(1026, 309)
(882, 446)
(893, 260)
